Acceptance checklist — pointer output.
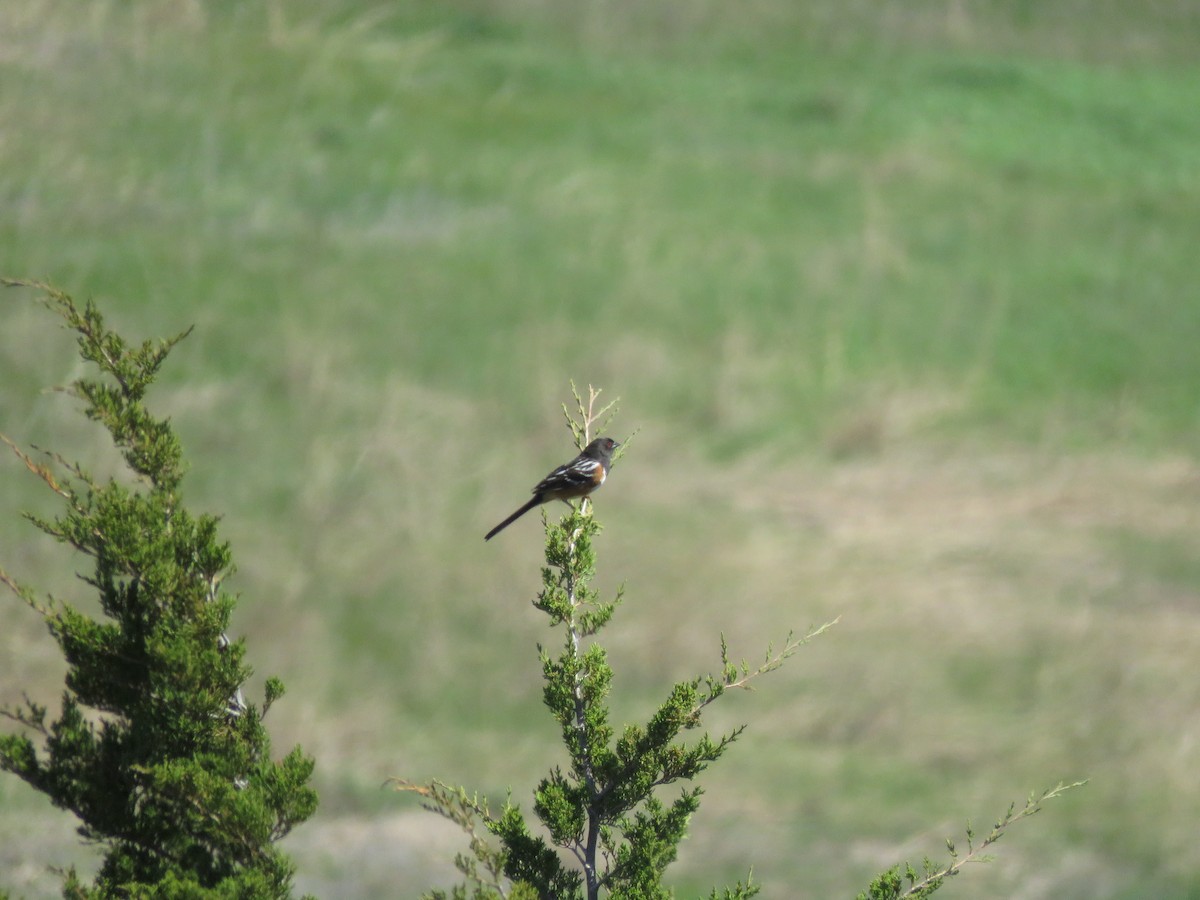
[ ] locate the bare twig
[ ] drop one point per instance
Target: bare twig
(585, 427)
(41, 471)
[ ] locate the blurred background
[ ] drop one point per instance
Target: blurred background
(900, 299)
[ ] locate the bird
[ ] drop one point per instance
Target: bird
(578, 478)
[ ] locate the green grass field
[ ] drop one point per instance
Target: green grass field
(900, 299)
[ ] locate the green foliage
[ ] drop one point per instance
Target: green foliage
(891, 885)
(604, 809)
(154, 749)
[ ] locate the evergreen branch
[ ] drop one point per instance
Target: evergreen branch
(739, 891)
(79, 511)
(32, 717)
(24, 593)
(975, 853)
(455, 805)
(740, 676)
(132, 369)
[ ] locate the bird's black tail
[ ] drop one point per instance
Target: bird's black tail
(534, 501)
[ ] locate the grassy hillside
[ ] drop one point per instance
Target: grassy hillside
(903, 306)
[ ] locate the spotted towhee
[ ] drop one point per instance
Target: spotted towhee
(578, 478)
